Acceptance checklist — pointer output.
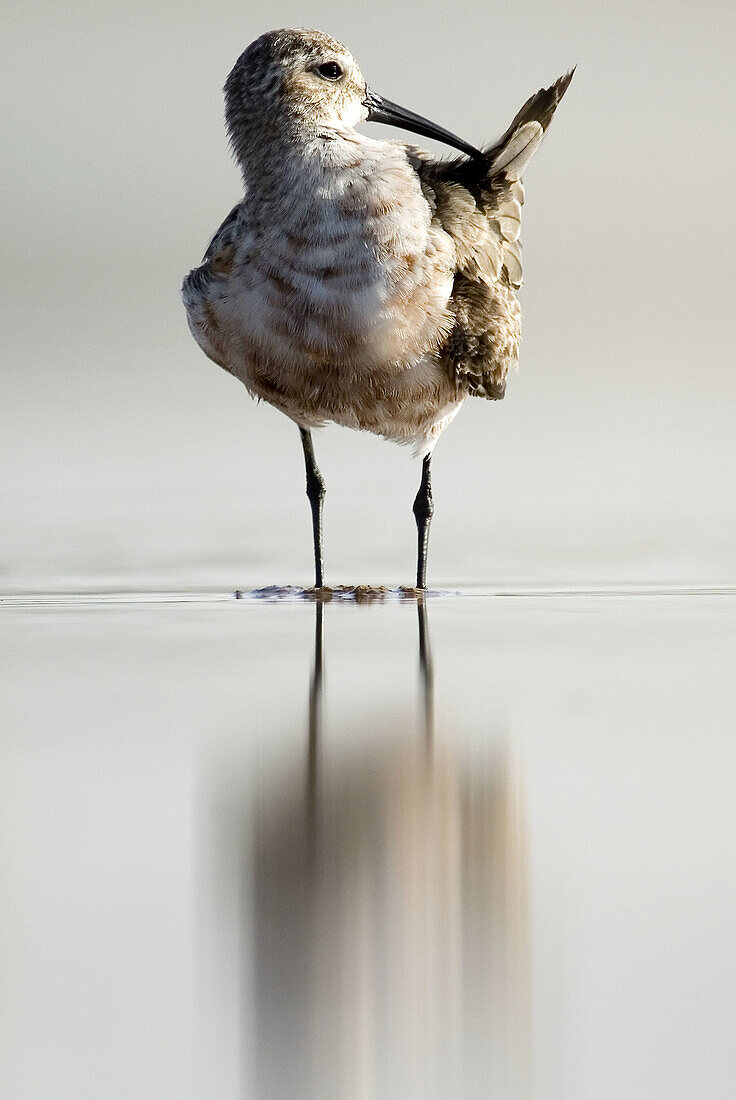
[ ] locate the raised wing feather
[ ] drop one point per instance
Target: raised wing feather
(478, 203)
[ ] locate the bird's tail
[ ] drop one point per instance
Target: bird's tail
(512, 152)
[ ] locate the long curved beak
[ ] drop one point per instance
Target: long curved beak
(383, 110)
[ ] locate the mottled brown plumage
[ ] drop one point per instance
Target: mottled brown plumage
(358, 281)
(479, 204)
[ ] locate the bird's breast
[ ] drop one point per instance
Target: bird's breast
(350, 276)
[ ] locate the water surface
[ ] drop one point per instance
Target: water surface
(249, 853)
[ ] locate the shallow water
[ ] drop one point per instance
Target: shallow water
(506, 872)
(250, 853)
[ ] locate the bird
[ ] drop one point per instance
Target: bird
(358, 281)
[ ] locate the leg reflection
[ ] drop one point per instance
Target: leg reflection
(314, 729)
(426, 671)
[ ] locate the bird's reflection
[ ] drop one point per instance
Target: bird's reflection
(426, 673)
(314, 725)
(383, 903)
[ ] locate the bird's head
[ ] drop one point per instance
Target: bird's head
(294, 82)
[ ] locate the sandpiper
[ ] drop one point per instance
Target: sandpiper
(358, 281)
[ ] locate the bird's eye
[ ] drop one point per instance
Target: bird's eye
(330, 70)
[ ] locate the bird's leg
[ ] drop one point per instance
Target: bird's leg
(423, 512)
(316, 493)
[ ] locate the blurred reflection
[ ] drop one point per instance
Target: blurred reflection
(314, 724)
(390, 917)
(426, 671)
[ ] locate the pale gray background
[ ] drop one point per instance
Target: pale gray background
(129, 459)
(133, 726)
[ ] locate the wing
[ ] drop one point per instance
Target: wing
(204, 283)
(218, 258)
(478, 203)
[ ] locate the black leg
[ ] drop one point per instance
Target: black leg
(316, 494)
(423, 512)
